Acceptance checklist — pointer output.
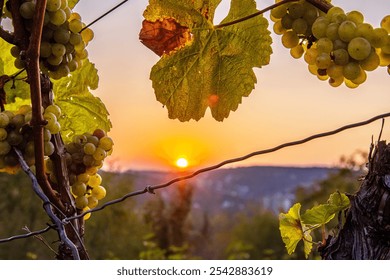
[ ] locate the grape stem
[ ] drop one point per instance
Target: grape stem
(320, 4)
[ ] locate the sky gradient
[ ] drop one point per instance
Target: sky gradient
(287, 104)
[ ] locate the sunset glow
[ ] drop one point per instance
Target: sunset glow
(182, 162)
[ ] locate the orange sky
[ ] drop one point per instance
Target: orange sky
(287, 104)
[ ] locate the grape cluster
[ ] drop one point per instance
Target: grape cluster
(15, 131)
(337, 46)
(84, 157)
(64, 39)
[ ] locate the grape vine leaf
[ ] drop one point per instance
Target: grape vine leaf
(82, 111)
(292, 230)
(339, 200)
(17, 87)
(215, 68)
(319, 215)
(323, 213)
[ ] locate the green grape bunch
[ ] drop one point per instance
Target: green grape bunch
(16, 132)
(84, 157)
(338, 47)
(64, 38)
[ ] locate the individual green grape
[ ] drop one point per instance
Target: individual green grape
(106, 143)
(350, 84)
(279, 11)
(63, 70)
(290, 39)
(79, 189)
(45, 50)
(99, 192)
(3, 134)
(55, 128)
(384, 59)
(58, 50)
(364, 30)
(335, 82)
(92, 202)
(75, 25)
(300, 26)
(15, 51)
(4, 119)
(89, 149)
(323, 61)
(29, 149)
(296, 10)
(83, 178)
(88, 160)
(287, 22)
(5, 148)
(53, 5)
(310, 56)
(339, 44)
(99, 154)
(340, 57)
(385, 23)
(75, 39)
(347, 30)
(379, 37)
(54, 60)
(94, 180)
(50, 118)
(361, 78)
(17, 121)
(351, 70)
(324, 45)
(319, 27)
(54, 109)
(311, 14)
(27, 10)
(297, 51)
(355, 16)
(81, 202)
(335, 71)
(48, 148)
(61, 36)
(333, 12)
(49, 166)
(359, 48)
(332, 31)
(58, 17)
(371, 62)
(14, 138)
(19, 64)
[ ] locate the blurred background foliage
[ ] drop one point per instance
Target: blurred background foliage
(161, 227)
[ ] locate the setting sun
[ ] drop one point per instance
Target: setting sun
(182, 162)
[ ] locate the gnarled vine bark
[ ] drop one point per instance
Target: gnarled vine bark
(365, 234)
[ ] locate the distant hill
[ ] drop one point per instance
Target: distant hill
(235, 188)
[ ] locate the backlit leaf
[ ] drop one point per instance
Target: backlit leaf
(319, 215)
(339, 200)
(215, 68)
(291, 228)
(18, 87)
(83, 112)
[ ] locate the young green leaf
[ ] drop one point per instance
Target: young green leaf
(319, 215)
(215, 69)
(339, 200)
(290, 228)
